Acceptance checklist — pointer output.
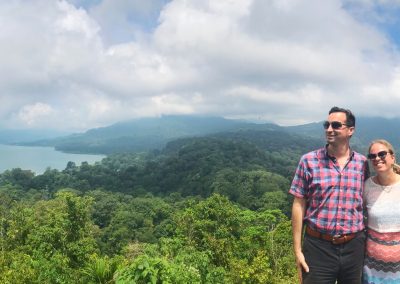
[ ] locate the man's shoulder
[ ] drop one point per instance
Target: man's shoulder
(315, 154)
(359, 157)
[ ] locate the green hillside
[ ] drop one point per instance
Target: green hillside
(209, 205)
(210, 209)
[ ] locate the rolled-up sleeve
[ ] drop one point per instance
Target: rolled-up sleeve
(299, 184)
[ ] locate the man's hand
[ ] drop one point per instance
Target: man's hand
(301, 265)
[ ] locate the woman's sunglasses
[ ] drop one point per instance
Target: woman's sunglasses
(334, 124)
(382, 155)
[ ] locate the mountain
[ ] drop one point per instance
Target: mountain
(154, 133)
(372, 128)
(145, 134)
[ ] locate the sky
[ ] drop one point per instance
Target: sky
(73, 65)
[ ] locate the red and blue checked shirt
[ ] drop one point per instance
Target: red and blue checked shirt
(334, 202)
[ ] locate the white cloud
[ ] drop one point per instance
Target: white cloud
(82, 64)
(32, 114)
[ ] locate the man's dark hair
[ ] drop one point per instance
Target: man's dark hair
(350, 118)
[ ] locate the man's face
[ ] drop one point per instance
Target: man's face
(338, 136)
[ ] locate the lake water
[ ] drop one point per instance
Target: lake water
(38, 159)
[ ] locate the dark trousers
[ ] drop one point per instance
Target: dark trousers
(329, 263)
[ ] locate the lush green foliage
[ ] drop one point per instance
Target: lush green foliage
(205, 210)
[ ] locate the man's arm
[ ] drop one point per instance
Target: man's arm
(298, 211)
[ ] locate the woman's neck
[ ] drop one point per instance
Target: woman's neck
(388, 178)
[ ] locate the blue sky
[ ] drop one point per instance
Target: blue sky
(75, 64)
(384, 15)
(119, 19)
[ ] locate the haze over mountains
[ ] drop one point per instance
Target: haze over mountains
(13, 136)
(154, 133)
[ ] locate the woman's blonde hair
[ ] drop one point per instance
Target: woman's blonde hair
(396, 167)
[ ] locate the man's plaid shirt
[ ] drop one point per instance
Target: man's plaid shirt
(333, 196)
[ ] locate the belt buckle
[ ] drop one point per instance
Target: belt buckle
(336, 239)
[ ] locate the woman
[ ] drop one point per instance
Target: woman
(382, 200)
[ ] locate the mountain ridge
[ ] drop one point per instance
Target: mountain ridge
(154, 133)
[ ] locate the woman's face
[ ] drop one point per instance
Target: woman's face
(380, 158)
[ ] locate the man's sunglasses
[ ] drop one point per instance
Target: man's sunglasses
(334, 124)
(382, 155)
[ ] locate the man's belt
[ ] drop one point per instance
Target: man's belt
(336, 239)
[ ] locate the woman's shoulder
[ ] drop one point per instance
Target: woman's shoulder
(370, 181)
(370, 185)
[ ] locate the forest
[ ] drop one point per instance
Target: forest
(209, 209)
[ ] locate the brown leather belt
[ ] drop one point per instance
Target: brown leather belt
(336, 240)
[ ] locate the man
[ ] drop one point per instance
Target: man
(327, 189)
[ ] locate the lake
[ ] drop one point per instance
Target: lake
(38, 159)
